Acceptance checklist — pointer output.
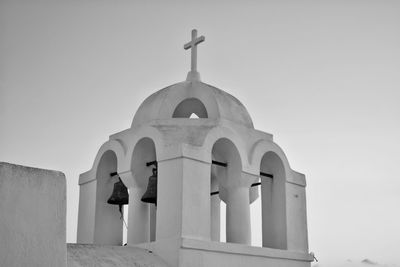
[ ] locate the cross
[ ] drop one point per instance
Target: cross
(193, 45)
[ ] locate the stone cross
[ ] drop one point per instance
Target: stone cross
(193, 45)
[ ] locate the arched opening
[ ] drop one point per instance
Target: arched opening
(142, 216)
(273, 202)
(108, 223)
(227, 180)
(190, 106)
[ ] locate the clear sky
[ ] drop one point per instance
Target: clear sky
(321, 76)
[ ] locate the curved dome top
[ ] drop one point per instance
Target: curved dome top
(182, 99)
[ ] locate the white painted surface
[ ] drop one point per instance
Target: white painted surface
(139, 216)
(111, 256)
(238, 216)
(87, 210)
(32, 221)
(215, 254)
(184, 148)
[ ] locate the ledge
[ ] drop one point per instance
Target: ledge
(86, 177)
(297, 178)
(232, 248)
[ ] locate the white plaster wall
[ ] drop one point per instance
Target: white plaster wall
(184, 148)
(32, 221)
(108, 222)
(297, 217)
(196, 199)
(86, 216)
(195, 253)
(183, 199)
(215, 212)
(111, 256)
(200, 258)
(169, 199)
(274, 220)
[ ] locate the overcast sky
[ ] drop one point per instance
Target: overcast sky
(321, 76)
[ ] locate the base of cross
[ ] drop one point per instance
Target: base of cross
(193, 76)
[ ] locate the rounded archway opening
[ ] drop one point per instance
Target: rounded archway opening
(273, 203)
(225, 174)
(190, 108)
(142, 216)
(108, 223)
(225, 151)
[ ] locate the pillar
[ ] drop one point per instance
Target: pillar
(267, 213)
(215, 210)
(183, 206)
(153, 221)
(138, 222)
(87, 208)
(238, 228)
(215, 217)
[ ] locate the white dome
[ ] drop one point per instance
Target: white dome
(182, 99)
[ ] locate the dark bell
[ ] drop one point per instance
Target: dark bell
(119, 195)
(150, 196)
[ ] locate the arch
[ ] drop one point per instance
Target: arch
(260, 148)
(233, 191)
(273, 199)
(219, 104)
(224, 132)
(115, 146)
(144, 151)
(268, 157)
(142, 216)
(224, 150)
(189, 106)
(162, 104)
(143, 132)
(108, 225)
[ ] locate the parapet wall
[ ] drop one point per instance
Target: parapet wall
(32, 217)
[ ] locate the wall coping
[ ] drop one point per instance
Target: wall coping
(232, 248)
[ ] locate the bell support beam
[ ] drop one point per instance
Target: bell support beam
(218, 163)
(224, 164)
(154, 162)
(217, 192)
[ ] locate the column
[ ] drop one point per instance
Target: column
(238, 228)
(138, 222)
(215, 218)
(87, 210)
(183, 206)
(153, 220)
(267, 213)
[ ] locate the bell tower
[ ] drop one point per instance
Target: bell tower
(179, 169)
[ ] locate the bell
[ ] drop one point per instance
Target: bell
(119, 195)
(150, 196)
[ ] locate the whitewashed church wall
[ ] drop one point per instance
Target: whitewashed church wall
(108, 224)
(196, 199)
(33, 217)
(86, 213)
(139, 217)
(169, 198)
(296, 217)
